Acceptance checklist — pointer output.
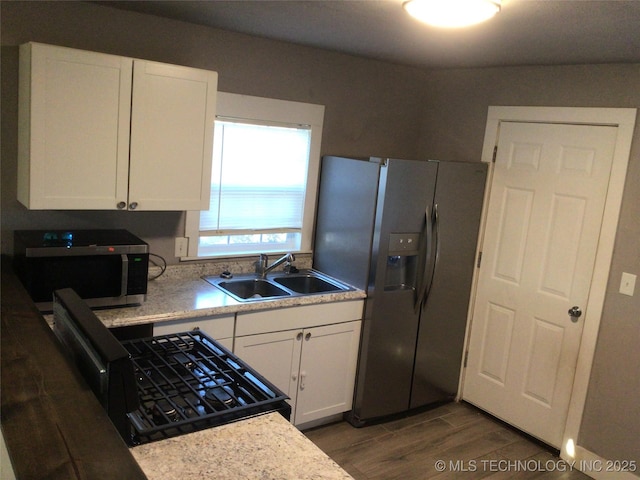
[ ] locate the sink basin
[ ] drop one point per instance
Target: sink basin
(307, 284)
(251, 289)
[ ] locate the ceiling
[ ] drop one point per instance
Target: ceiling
(525, 32)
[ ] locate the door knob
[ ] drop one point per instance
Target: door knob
(574, 313)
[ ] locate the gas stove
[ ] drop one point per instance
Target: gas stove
(163, 386)
(187, 382)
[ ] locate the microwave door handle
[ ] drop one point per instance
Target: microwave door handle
(125, 274)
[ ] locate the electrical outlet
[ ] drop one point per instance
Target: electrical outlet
(627, 284)
(182, 245)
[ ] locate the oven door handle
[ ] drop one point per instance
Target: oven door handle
(125, 275)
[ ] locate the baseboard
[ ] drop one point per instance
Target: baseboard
(320, 422)
(600, 468)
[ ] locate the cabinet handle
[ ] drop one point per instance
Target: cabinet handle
(307, 336)
(121, 205)
(303, 377)
(299, 336)
(294, 377)
(133, 205)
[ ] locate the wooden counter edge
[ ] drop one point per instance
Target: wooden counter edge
(53, 425)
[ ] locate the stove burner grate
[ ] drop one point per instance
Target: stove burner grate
(187, 382)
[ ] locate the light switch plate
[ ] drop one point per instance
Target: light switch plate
(627, 284)
(182, 245)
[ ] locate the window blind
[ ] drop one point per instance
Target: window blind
(258, 179)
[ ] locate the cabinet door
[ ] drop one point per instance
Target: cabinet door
(173, 110)
(327, 371)
(73, 141)
(276, 356)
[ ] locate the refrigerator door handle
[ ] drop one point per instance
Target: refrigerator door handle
(436, 236)
(427, 270)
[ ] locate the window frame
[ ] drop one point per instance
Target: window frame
(269, 111)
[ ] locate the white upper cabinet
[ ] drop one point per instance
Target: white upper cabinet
(173, 111)
(74, 119)
(104, 132)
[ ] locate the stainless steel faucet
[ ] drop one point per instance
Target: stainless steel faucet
(261, 265)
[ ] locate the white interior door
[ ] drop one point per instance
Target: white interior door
(542, 229)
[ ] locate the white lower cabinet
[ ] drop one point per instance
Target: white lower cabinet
(327, 371)
(276, 356)
(219, 327)
(314, 365)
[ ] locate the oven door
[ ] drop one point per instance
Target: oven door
(103, 362)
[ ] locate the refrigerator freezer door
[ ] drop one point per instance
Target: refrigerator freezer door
(345, 218)
(390, 326)
(458, 200)
(386, 357)
(367, 211)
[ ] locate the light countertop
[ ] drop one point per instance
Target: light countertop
(263, 447)
(183, 294)
(266, 446)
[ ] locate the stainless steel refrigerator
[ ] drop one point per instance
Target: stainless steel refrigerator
(406, 232)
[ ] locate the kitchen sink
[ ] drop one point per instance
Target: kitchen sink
(252, 289)
(249, 288)
(307, 284)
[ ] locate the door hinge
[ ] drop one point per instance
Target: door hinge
(466, 357)
(495, 154)
(479, 260)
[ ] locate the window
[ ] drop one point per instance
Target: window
(263, 184)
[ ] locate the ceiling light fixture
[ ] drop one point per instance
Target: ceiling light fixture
(452, 13)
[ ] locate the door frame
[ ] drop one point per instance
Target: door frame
(624, 119)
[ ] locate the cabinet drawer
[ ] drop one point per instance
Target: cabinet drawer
(298, 317)
(218, 327)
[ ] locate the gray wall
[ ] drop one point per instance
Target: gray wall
(611, 425)
(372, 108)
(454, 120)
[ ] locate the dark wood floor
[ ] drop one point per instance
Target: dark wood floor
(452, 441)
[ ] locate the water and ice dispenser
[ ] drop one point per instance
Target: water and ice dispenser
(402, 261)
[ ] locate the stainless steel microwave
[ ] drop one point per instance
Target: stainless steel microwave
(105, 267)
